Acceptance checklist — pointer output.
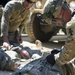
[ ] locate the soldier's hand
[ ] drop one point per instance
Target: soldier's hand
(24, 54)
(51, 58)
(6, 45)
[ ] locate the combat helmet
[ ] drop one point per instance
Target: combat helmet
(31, 1)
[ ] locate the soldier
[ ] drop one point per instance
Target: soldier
(52, 9)
(68, 50)
(15, 16)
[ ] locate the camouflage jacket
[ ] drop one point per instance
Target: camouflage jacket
(14, 16)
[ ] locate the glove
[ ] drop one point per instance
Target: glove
(50, 58)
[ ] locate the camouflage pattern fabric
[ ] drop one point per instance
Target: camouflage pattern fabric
(14, 16)
(52, 6)
(68, 51)
(5, 61)
(53, 9)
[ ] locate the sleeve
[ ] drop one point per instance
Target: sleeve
(67, 53)
(7, 13)
(68, 50)
(23, 23)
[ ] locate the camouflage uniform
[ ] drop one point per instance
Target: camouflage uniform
(52, 8)
(14, 16)
(68, 51)
(54, 13)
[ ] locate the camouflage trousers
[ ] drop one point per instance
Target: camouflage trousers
(68, 50)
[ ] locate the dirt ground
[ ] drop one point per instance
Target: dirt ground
(53, 43)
